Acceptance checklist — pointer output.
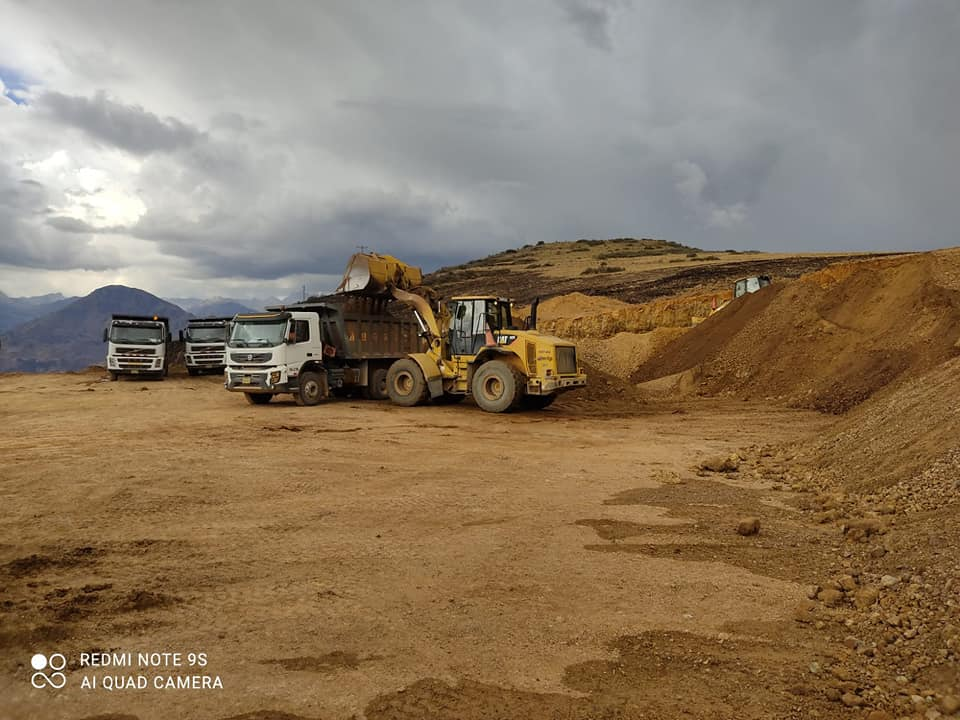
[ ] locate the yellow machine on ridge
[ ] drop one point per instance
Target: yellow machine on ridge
(474, 347)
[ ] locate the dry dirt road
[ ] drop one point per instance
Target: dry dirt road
(362, 560)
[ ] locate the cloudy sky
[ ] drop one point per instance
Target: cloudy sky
(242, 148)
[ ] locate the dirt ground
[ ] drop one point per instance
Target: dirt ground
(363, 560)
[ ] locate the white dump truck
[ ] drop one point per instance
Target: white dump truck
(204, 347)
(138, 345)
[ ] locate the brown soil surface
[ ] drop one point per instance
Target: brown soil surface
(334, 562)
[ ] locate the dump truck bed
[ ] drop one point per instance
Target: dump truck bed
(361, 327)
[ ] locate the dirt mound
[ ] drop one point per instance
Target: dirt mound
(901, 434)
(681, 311)
(829, 340)
(575, 305)
(623, 353)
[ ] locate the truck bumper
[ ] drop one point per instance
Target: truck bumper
(249, 380)
(556, 384)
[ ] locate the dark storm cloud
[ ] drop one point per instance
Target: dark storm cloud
(128, 127)
(592, 20)
(318, 239)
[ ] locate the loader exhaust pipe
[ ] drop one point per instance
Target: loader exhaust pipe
(532, 322)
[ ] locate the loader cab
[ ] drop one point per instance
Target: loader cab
(472, 318)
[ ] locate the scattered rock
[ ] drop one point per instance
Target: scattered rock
(879, 715)
(719, 464)
(804, 611)
(830, 597)
(847, 583)
(748, 526)
(889, 580)
(950, 704)
(866, 596)
(851, 700)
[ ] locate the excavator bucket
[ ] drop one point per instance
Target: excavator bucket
(372, 274)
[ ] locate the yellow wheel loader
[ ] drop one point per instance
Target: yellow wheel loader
(474, 346)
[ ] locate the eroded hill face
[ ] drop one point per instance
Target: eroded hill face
(627, 269)
(829, 340)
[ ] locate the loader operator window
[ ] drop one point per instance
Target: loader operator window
(468, 329)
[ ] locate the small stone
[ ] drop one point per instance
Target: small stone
(804, 611)
(830, 597)
(748, 526)
(866, 596)
(851, 700)
(832, 694)
(720, 464)
(847, 583)
(815, 668)
(889, 580)
(879, 715)
(950, 704)
(812, 591)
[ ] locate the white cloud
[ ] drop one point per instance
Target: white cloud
(691, 183)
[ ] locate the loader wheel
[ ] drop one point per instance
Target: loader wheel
(377, 385)
(405, 383)
(313, 388)
(258, 398)
(496, 387)
(536, 402)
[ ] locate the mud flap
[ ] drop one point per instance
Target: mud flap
(431, 373)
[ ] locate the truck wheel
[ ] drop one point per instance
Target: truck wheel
(258, 398)
(192, 371)
(313, 388)
(405, 383)
(377, 385)
(536, 402)
(114, 376)
(496, 387)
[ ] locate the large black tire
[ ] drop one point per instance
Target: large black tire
(313, 388)
(497, 387)
(536, 402)
(114, 376)
(192, 371)
(377, 385)
(406, 385)
(258, 398)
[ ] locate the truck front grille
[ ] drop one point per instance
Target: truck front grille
(250, 357)
(135, 352)
(566, 361)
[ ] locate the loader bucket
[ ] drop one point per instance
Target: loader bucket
(373, 274)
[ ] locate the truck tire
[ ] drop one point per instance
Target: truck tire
(114, 376)
(536, 402)
(497, 387)
(377, 385)
(258, 398)
(312, 388)
(192, 371)
(405, 383)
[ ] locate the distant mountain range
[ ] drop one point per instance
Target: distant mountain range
(16, 311)
(71, 336)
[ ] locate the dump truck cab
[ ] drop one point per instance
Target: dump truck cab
(138, 345)
(205, 344)
(273, 352)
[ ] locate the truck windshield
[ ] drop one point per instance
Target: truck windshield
(206, 335)
(258, 334)
(136, 334)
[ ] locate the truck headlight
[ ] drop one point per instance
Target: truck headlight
(275, 377)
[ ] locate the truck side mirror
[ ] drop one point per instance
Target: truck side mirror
(181, 336)
(105, 335)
